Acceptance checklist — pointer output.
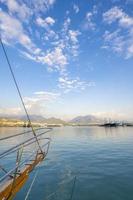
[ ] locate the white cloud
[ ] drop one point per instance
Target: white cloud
(49, 21)
(39, 101)
(27, 55)
(112, 15)
(66, 45)
(12, 29)
(13, 33)
(24, 10)
(130, 51)
(55, 59)
(47, 96)
(51, 35)
(40, 5)
(41, 97)
(73, 41)
(11, 111)
(63, 44)
(114, 41)
(73, 35)
(89, 24)
(95, 9)
(117, 14)
(20, 9)
(109, 36)
(121, 39)
(76, 8)
(40, 21)
(68, 40)
(76, 84)
(66, 24)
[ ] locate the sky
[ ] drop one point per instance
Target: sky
(70, 57)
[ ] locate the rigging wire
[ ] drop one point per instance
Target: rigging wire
(18, 161)
(18, 134)
(30, 188)
(18, 90)
(20, 151)
(19, 154)
(5, 171)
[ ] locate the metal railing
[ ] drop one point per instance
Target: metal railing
(27, 143)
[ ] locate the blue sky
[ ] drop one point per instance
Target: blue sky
(70, 57)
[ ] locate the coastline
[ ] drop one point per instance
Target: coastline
(23, 123)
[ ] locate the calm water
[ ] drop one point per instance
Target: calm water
(100, 158)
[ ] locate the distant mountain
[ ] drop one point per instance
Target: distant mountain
(34, 118)
(85, 119)
(53, 120)
(88, 119)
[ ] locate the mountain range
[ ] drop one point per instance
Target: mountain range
(84, 119)
(38, 118)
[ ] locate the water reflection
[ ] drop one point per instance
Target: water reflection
(101, 158)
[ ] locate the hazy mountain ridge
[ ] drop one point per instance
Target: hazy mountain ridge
(34, 118)
(85, 119)
(53, 120)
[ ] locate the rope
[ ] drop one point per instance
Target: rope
(6, 172)
(18, 134)
(30, 188)
(3, 169)
(19, 154)
(17, 87)
(25, 143)
(18, 160)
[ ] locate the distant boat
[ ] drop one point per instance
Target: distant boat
(129, 124)
(110, 124)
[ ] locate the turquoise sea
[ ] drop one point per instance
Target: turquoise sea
(84, 163)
